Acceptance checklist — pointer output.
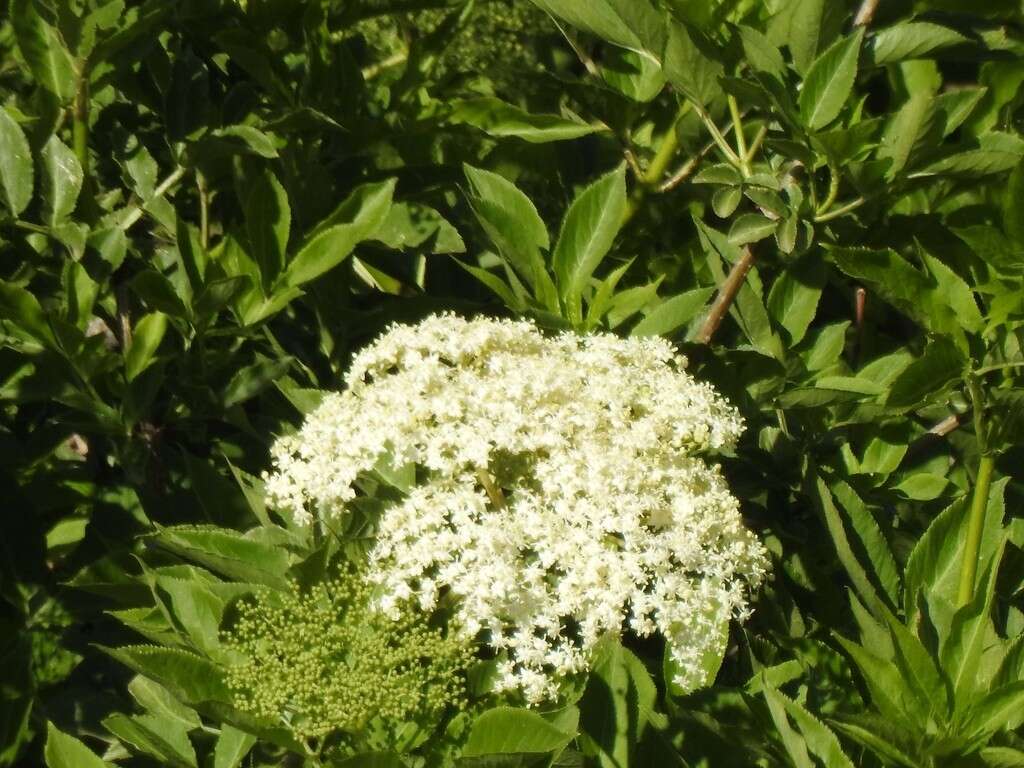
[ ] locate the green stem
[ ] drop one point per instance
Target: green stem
(833, 192)
(741, 140)
(659, 164)
(719, 139)
(755, 145)
(975, 529)
(842, 210)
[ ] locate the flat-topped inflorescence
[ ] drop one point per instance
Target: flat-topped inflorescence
(565, 490)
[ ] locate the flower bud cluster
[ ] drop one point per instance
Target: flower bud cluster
(565, 490)
(324, 660)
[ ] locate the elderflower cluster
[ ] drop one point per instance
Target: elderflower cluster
(564, 492)
(325, 660)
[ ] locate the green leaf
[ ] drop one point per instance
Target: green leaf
(411, 225)
(817, 738)
(793, 299)
(15, 165)
(922, 486)
(639, 78)
(725, 201)
(501, 119)
(844, 546)
(191, 678)
(829, 82)
(253, 138)
(878, 735)
(886, 685)
(498, 286)
(41, 47)
(761, 55)
(1013, 205)
(617, 705)
(588, 232)
(751, 227)
(158, 292)
(906, 130)
(166, 741)
(62, 181)
(911, 40)
(828, 347)
(673, 313)
(691, 65)
(805, 27)
(232, 747)
(268, 221)
(234, 555)
(158, 701)
(218, 294)
(64, 751)
(253, 379)
(146, 338)
(941, 364)
(898, 282)
(516, 229)
(931, 577)
(23, 309)
(1000, 710)
(631, 24)
(505, 730)
(366, 211)
(871, 539)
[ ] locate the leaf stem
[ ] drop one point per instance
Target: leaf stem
(204, 210)
(975, 529)
(719, 139)
(833, 193)
(726, 295)
(741, 140)
(755, 145)
(136, 211)
(842, 210)
(667, 148)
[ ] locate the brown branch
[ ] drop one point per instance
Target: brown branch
(726, 295)
(865, 13)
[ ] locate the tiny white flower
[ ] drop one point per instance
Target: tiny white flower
(566, 491)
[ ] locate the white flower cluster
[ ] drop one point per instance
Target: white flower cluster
(564, 493)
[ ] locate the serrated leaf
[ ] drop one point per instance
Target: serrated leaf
(61, 180)
(501, 119)
(793, 299)
(941, 364)
(158, 701)
(15, 165)
(268, 220)
(64, 751)
(691, 65)
(506, 730)
(253, 379)
(911, 40)
(816, 736)
(725, 201)
(167, 742)
(191, 678)
(631, 24)
(227, 552)
(232, 747)
(366, 210)
(751, 227)
(829, 82)
(41, 47)
(588, 232)
(673, 313)
(146, 338)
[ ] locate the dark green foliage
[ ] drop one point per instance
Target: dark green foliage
(207, 206)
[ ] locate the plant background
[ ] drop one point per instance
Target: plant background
(207, 206)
